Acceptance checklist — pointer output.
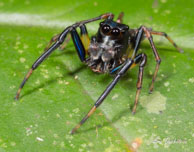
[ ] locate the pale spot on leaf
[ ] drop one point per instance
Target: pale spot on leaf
(55, 136)
(20, 51)
(66, 83)
(18, 43)
(83, 145)
(26, 67)
(37, 82)
(12, 143)
(39, 45)
(191, 80)
(163, 1)
(76, 77)
(112, 148)
(39, 139)
(58, 115)
(54, 142)
(62, 144)
(154, 103)
(25, 46)
(76, 110)
(115, 96)
(22, 60)
(166, 84)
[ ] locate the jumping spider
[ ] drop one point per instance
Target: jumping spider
(114, 49)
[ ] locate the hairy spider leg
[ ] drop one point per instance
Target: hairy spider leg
(157, 57)
(142, 59)
(61, 38)
(120, 18)
(128, 63)
(168, 38)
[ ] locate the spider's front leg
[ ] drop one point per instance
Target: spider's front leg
(142, 59)
(80, 47)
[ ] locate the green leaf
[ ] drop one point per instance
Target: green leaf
(62, 90)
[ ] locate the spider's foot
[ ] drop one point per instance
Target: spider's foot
(60, 49)
(16, 98)
(133, 112)
(17, 95)
(181, 51)
(72, 132)
(74, 129)
(151, 89)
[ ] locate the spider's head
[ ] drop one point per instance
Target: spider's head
(107, 47)
(113, 29)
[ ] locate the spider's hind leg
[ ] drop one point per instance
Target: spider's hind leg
(54, 39)
(157, 57)
(120, 18)
(62, 46)
(168, 38)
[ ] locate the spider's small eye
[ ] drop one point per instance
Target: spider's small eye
(115, 32)
(106, 29)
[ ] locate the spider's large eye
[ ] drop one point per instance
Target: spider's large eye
(106, 29)
(115, 32)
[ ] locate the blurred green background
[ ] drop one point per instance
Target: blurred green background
(62, 90)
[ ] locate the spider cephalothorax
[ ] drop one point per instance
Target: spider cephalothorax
(114, 49)
(108, 46)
